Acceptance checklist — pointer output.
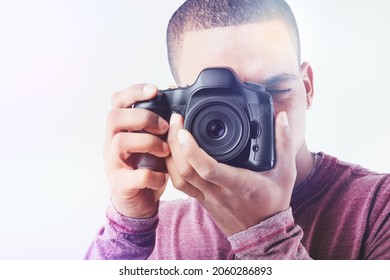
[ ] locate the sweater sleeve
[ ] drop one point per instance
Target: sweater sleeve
(275, 238)
(123, 238)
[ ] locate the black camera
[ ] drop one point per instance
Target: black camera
(232, 121)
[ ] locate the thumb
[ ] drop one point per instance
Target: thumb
(285, 154)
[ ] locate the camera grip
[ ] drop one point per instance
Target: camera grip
(150, 162)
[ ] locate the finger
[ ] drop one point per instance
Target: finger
(183, 168)
(135, 193)
(181, 173)
(124, 144)
(175, 124)
(194, 167)
(208, 168)
(120, 120)
(179, 183)
(140, 143)
(126, 98)
(124, 180)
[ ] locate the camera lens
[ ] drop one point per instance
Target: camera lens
(216, 129)
(220, 127)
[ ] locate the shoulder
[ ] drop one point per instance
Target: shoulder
(337, 171)
(344, 182)
(354, 182)
(358, 175)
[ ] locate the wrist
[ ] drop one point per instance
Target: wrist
(135, 212)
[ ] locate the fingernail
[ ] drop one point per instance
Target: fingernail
(174, 119)
(162, 124)
(149, 89)
(284, 118)
(166, 148)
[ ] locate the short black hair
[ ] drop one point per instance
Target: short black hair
(195, 15)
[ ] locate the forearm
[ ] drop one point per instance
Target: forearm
(124, 238)
(275, 238)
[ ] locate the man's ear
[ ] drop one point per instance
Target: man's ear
(307, 76)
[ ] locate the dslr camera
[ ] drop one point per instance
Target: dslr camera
(232, 121)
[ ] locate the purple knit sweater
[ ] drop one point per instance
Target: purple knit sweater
(341, 212)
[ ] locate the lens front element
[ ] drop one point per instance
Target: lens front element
(216, 129)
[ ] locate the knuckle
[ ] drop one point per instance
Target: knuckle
(187, 173)
(209, 174)
(112, 118)
(144, 176)
(115, 99)
(120, 150)
(121, 182)
(118, 142)
(125, 98)
(180, 184)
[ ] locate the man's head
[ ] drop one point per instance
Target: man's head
(257, 38)
(197, 15)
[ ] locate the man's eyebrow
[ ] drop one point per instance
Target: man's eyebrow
(282, 77)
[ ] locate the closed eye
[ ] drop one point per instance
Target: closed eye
(279, 91)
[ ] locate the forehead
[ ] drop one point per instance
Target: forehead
(255, 51)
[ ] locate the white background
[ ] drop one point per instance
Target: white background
(60, 61)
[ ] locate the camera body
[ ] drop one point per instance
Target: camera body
(232, 121)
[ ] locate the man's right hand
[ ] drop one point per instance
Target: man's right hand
(134, 192)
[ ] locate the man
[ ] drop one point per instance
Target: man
(308, 206)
